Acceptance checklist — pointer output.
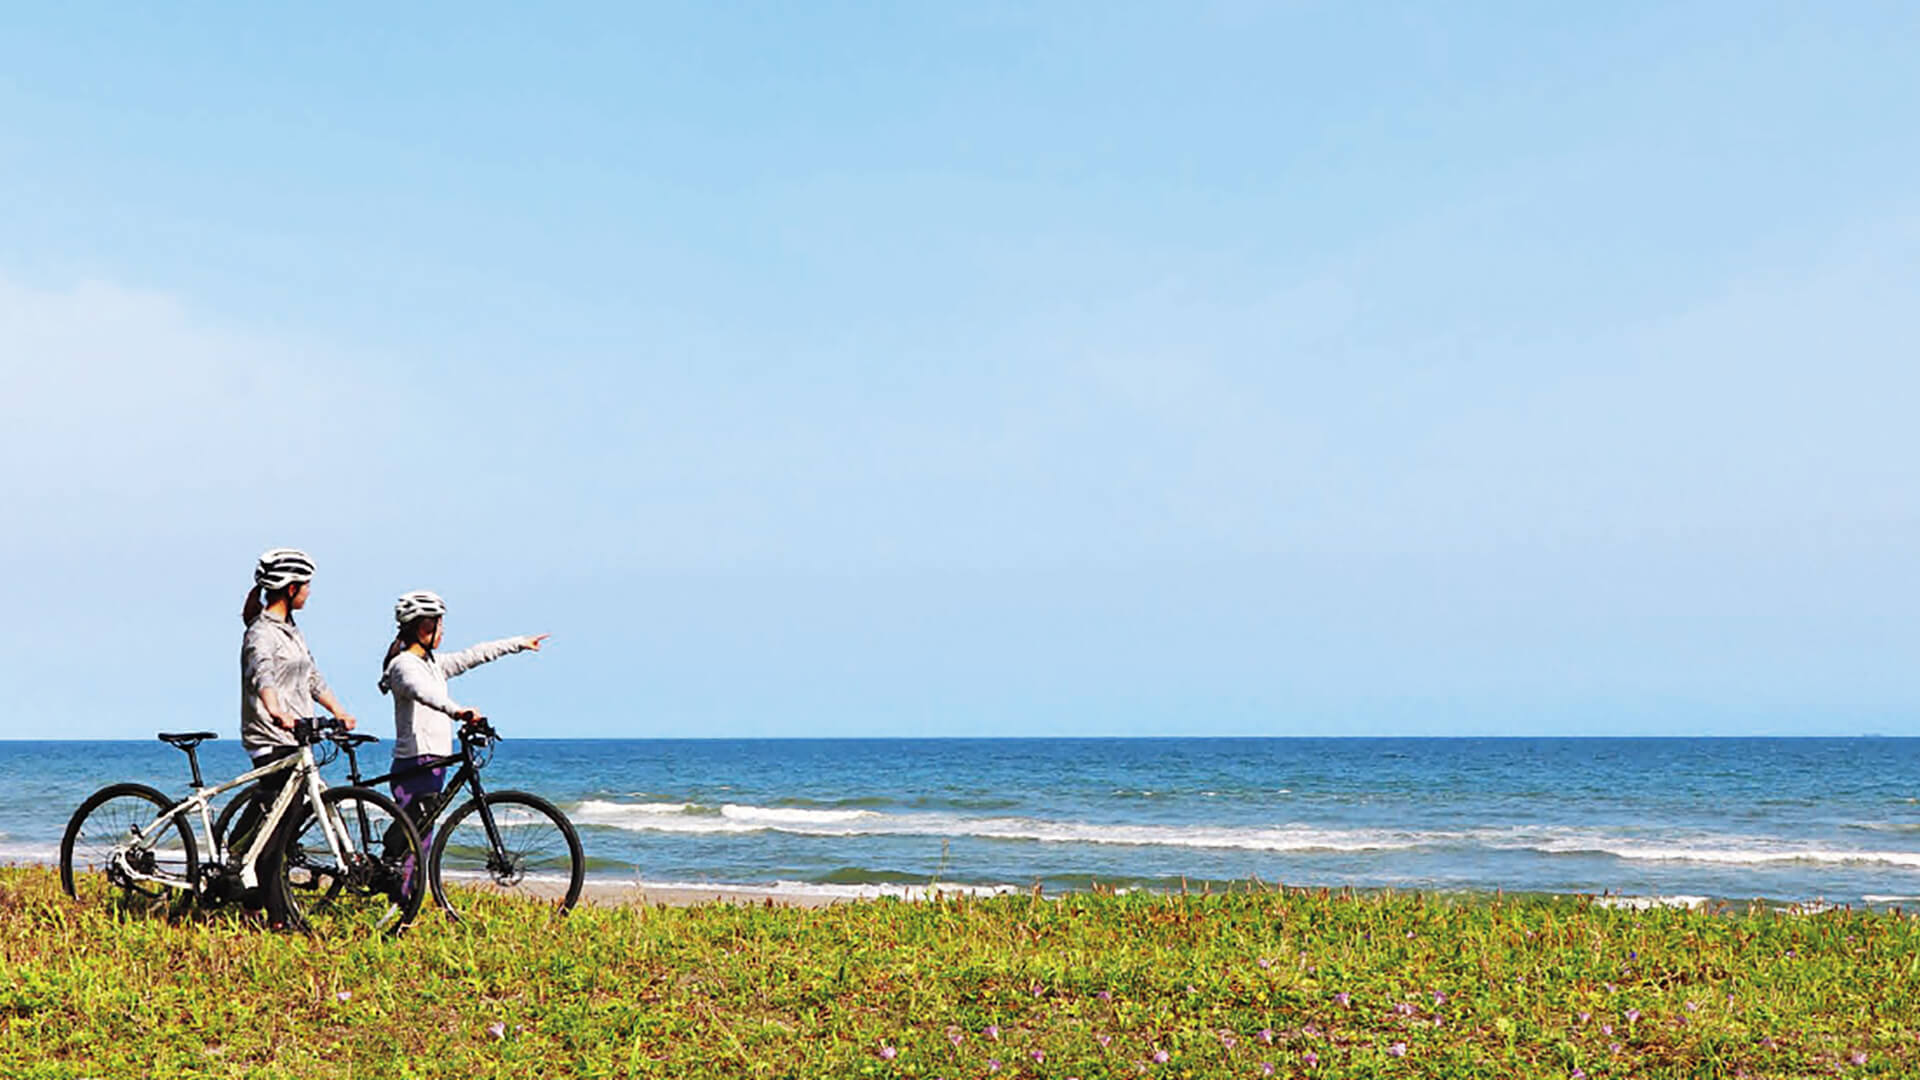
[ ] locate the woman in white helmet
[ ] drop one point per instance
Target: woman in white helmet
(278, 680)
(417, 677)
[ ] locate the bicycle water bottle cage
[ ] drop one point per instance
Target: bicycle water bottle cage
(188, 740)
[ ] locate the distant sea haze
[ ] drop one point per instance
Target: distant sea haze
(1777, 819)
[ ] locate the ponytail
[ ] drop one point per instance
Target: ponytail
(253, 607)
(399, 646)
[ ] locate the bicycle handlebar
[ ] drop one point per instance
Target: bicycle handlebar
(309, 730)
(479, 730)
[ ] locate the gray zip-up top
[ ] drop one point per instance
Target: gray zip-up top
(417, 681)
(274, 654)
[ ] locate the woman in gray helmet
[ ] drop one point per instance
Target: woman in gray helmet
(417, 677)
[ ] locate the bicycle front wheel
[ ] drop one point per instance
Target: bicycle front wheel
(117, 848)
(355, 873)
(537, 857)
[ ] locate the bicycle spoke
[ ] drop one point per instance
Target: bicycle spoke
(368, 885)
(111, 850)
(538, 856)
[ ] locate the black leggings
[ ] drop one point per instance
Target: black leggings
(260, 799)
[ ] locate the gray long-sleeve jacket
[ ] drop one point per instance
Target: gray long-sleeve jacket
(417, 681)
(274, 655)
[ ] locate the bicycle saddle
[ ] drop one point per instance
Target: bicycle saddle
(186, 739)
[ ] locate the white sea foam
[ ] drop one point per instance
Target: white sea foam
(789, 815)
(1741, 856)
(1691, 847)
(735, 818)
(849, 891)
(30, 853)
(654, 817)
(1647, 903)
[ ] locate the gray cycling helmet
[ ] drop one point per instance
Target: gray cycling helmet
(281, 567)
(418, 604)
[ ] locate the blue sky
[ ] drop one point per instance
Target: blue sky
(980, 370)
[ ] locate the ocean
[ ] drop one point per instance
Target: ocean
(1788, 820)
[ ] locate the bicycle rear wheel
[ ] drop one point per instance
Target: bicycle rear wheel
(538, 857)
(153, 871)
(366, 886)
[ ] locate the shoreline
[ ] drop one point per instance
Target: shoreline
(631, 892)
(615, 894)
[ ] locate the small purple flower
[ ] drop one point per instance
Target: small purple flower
(1397, 1050)
(1264, 963)
(888, 1053)
(1693, 1006)
(1633, 1016)
(1343, 999)
(1582, 1018)
(1104, 1040)
(955, 1037)
(1405, 1008)
(1613, 1048)
(1858, 1057)
(1160, 1057)
(1105, 995)
(1228, 1041)
(1439, 998)
(1578, 1073)
(1266, 1036)
(1266, 1068)
(1309, 1059)
(1039, 1056)
(497, 1029)
(1606, 1029)
(993, 1032)
(344, 995)
(993, 1064)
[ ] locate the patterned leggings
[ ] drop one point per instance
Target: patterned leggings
(421, 785)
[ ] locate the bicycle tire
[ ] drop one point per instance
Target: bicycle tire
(106, 823)
(309, 889)
(542, 859)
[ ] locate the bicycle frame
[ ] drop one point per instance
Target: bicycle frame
(468, 775)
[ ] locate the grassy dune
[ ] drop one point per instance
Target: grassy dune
(1301, 983)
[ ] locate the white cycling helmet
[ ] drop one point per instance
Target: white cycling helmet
(282, 567)
(418, 604)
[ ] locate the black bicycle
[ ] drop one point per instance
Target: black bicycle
(510, 843)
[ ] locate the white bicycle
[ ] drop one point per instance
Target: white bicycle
(320, 857)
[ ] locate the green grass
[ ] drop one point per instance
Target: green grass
(1309, 983)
